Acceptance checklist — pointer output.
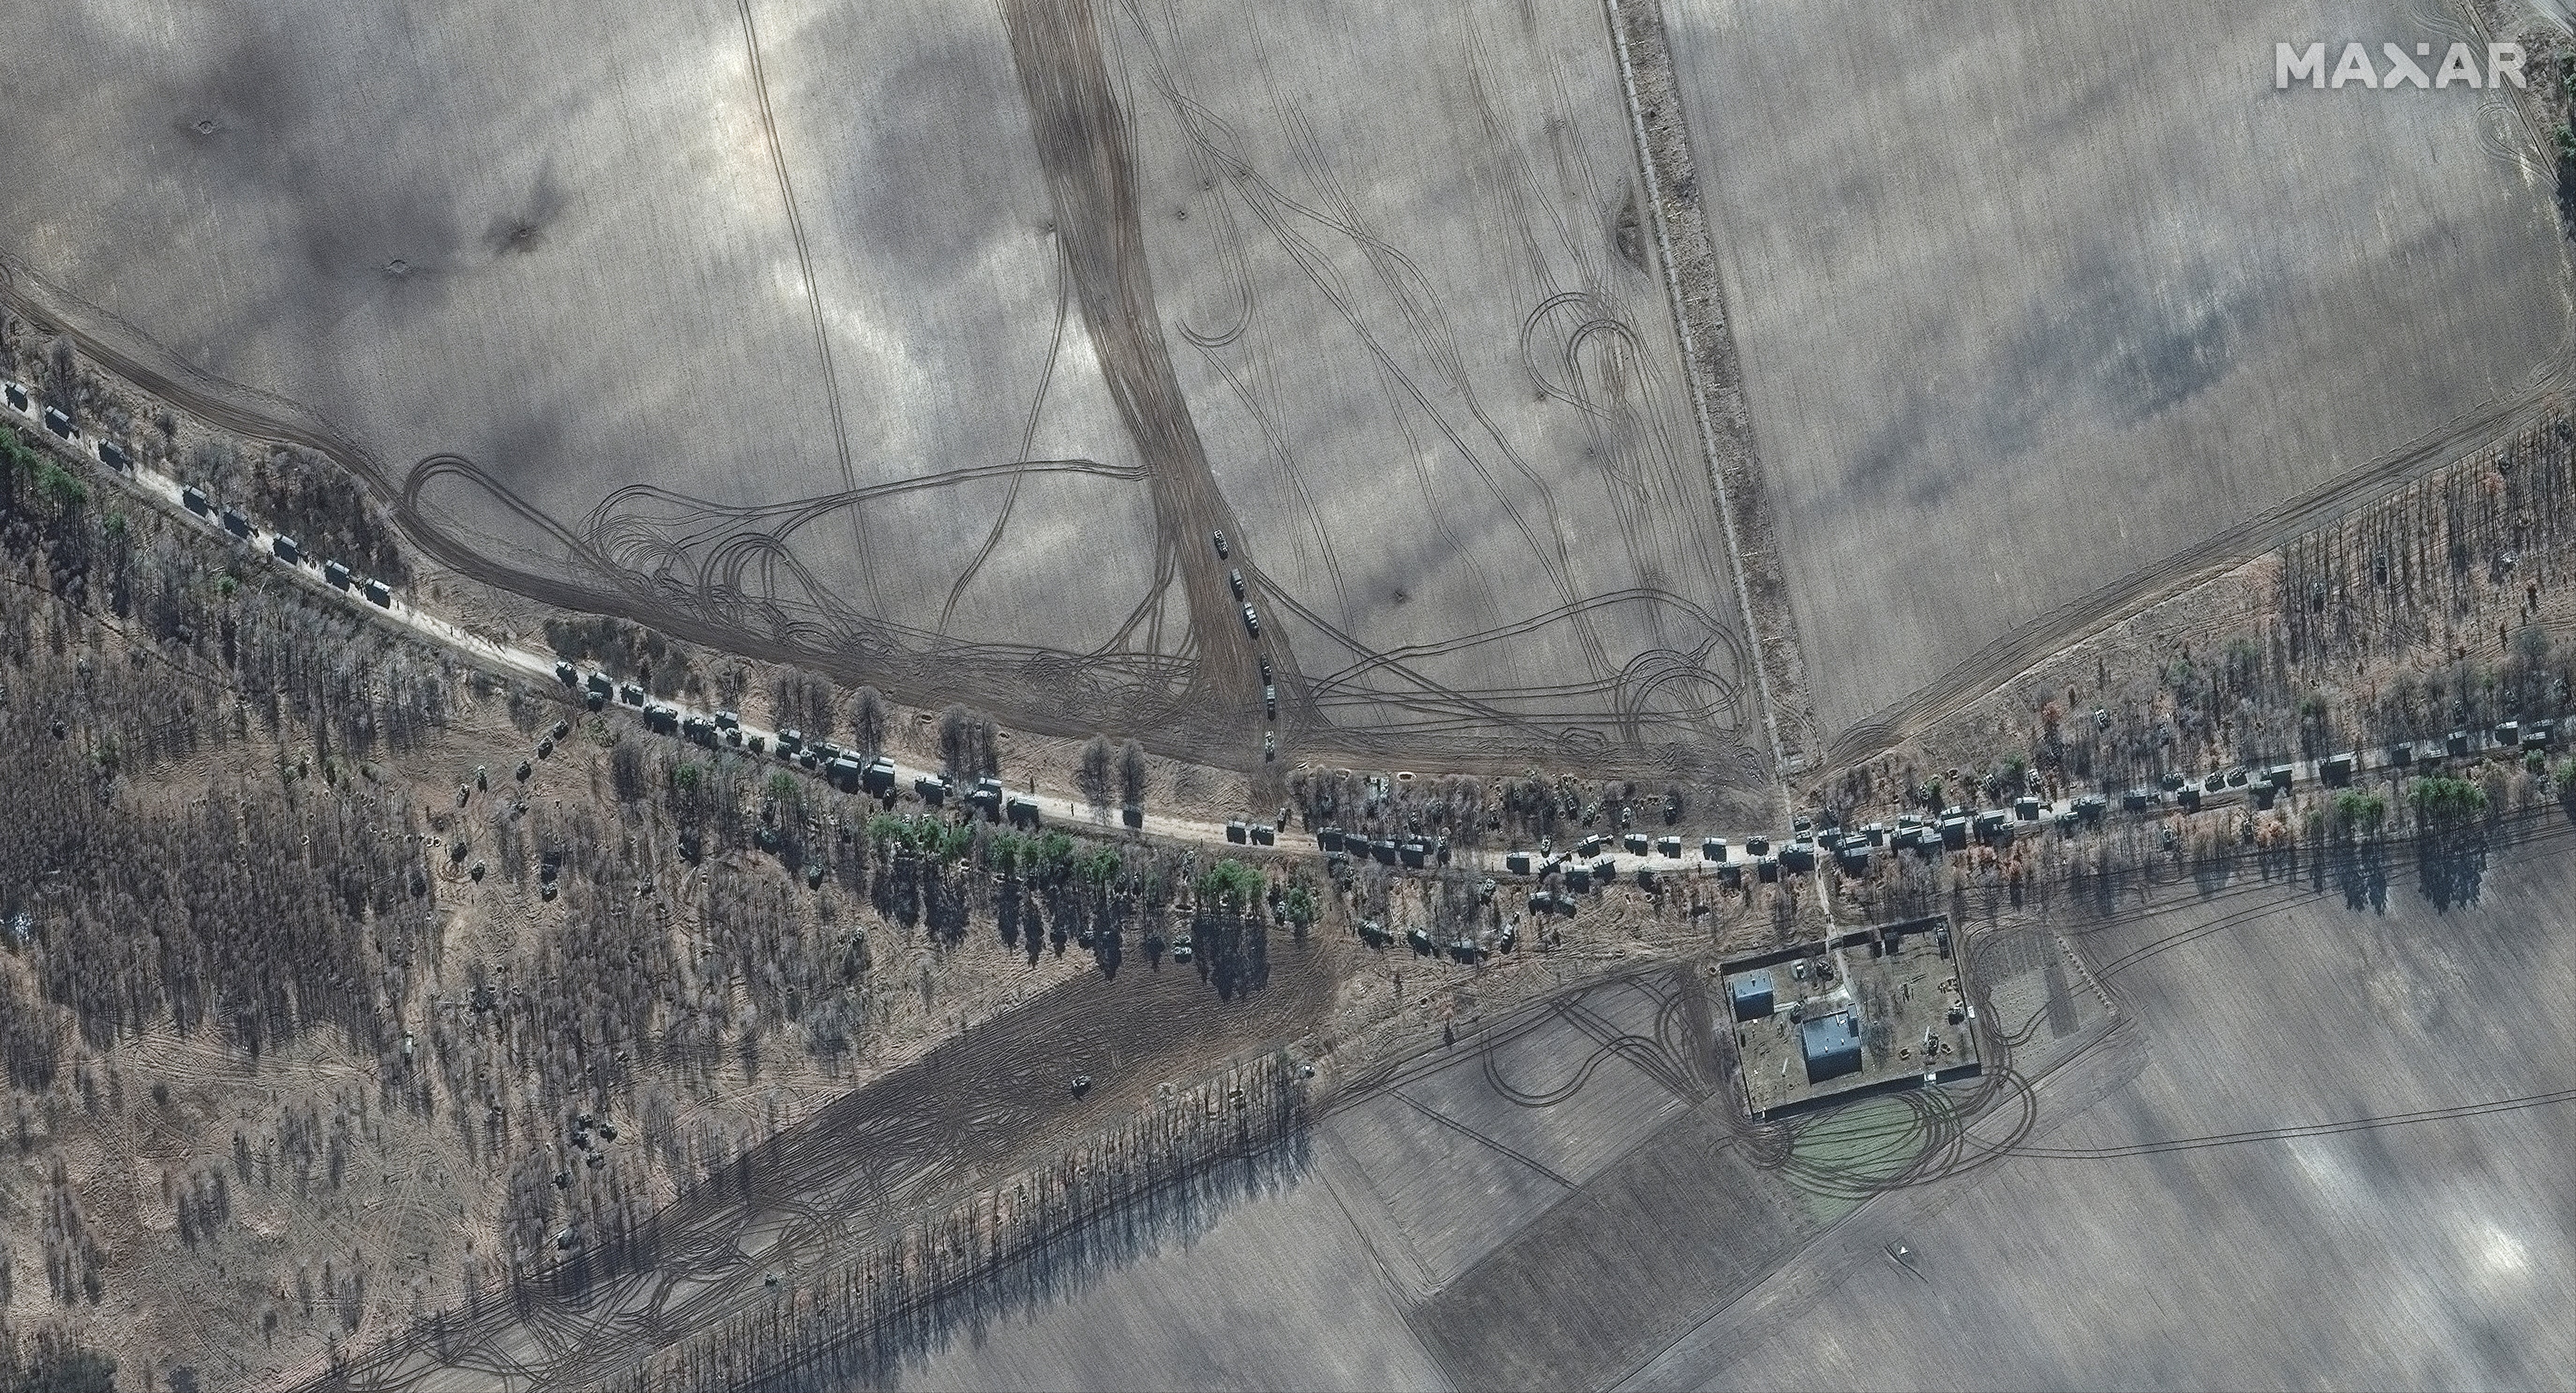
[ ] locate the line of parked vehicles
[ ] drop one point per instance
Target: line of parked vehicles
(844, 769)
(229, 517)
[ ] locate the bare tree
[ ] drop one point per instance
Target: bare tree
(1131, 772)
(969, 745)
(868, 720)
(732, 680)
(1093, 777)
(626, 772)
(803, 701)
(62, 385)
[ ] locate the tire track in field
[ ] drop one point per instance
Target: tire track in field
(1028, 446)
(853, 1172)
(2033, 640)
(1480, 1138)
(813, 294)
(2457, 1113)
(1711, 375)
(1398, 275)
(1084, 146)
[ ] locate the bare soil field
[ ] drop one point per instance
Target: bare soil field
(940, 368)
(2035, 303)
(1547, 1203)
(1418, 1171)
(1285, 1292)
(864, 1166)
(2329, 1151)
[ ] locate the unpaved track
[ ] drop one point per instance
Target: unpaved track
(1086, 148)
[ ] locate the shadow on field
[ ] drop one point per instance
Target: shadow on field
(2449, 867)
(865, 1326)
(2360, 870)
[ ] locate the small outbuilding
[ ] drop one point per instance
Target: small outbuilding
(1830, 1045)
(1750, 995)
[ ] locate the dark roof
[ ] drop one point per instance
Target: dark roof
(1830, 1045)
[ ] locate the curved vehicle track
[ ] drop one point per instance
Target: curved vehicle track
(813, 291)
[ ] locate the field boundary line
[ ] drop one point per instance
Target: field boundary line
(1693, 374)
